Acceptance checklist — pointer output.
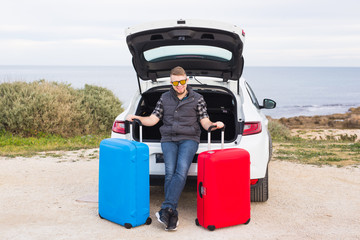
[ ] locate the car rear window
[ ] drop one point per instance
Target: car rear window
(187, 51)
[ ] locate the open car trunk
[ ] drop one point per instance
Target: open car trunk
(221, 106)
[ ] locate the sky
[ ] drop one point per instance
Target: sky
(92, 32)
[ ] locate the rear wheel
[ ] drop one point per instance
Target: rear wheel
(260, 191)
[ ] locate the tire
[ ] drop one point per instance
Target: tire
(260, 191)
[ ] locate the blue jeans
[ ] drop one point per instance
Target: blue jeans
(178, 157)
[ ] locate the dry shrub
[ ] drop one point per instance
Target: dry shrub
(278, 131)
(352, 122)
(42, 107)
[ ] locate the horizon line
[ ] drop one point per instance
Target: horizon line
(101, 65)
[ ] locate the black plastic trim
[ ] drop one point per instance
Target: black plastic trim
(185, 35)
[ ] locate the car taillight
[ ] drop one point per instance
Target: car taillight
(252, 128)
(253, 181)
(119, 127)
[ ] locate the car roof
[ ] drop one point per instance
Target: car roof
(202, 48)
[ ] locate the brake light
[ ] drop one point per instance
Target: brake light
(119, 127)
(253, 181)
(252, 128)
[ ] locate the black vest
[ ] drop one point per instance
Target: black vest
(180, 118)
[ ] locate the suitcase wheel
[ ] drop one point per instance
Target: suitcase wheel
(127, 225)
(100, 216)
(148, 221)
(247, 221)
(211, 227)
(197, 222)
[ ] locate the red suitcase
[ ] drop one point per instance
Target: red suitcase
(223, 181)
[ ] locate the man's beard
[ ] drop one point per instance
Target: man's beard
(179, 93)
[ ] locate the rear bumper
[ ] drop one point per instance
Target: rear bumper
(257, 145)
(159, 180)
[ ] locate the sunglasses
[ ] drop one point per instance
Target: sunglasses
(182, 82)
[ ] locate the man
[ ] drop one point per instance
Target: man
(181, 110)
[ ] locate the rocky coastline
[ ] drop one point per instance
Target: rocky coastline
(348, 120)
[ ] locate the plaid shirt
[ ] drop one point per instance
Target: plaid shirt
(201, 109)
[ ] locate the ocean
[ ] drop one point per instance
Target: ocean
(298, 91)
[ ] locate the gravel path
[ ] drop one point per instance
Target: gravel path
(55, 198)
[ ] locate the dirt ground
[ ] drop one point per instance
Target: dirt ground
(55, 197)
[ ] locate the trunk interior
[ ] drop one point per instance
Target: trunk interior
(221, 106)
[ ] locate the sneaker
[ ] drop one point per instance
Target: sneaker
(163, 216)
(173, 223)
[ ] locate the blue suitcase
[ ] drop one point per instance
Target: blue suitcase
(124, 190)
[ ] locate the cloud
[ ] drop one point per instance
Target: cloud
(92, 32)
(64, 52)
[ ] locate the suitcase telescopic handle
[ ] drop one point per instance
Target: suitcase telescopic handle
(222, 136)
(135, 120)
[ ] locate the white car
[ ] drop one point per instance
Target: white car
(211, 54)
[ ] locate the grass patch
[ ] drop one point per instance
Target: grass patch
(12, 146)
(341, 150)
(317, 152)
(332, 159)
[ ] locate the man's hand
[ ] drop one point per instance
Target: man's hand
(130, 117)
(218, 124)
(146, 121)
(206, 123)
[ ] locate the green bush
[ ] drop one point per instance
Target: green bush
(41, 108)
(279, 131)
(101, 107)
